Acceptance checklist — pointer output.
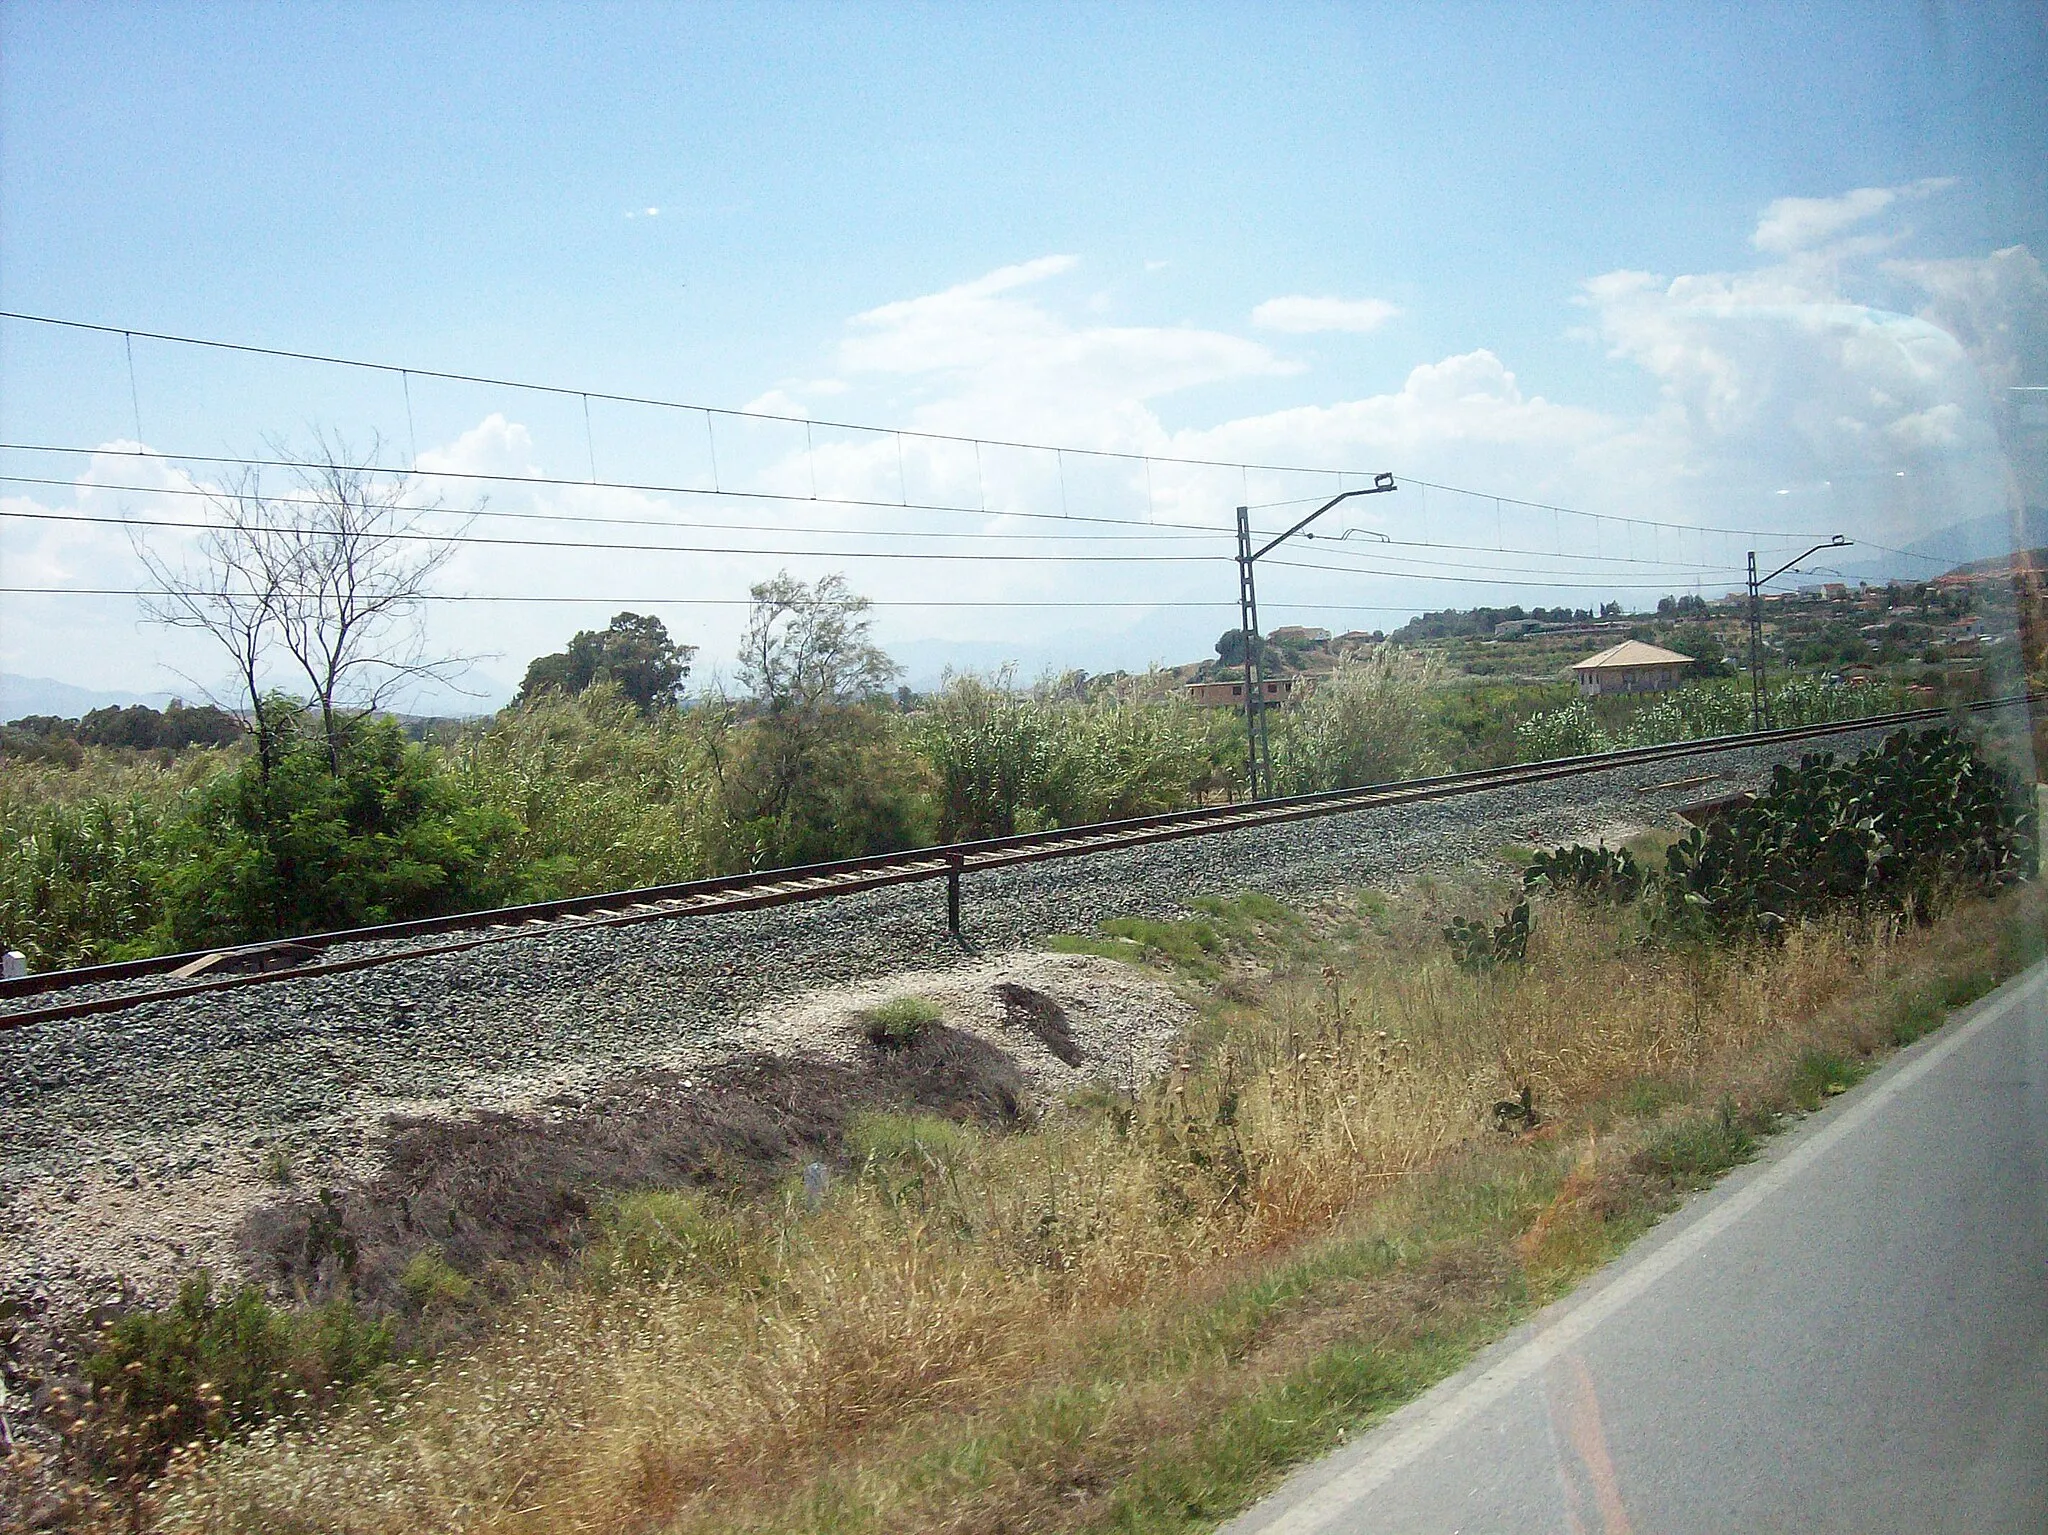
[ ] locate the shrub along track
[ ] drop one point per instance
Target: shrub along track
(118, 1081)
(113, 987)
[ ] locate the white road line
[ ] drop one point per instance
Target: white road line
(1416, 1429)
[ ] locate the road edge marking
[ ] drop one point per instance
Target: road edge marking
(1420, 1425)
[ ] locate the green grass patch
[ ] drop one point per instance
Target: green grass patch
(1820, 1074)
(1191, 945)
(908, 1140)
(662, 1236)
(1647, 1097)
(1695, 1151)
(431, 1284)
(1917, 1015)
(1103, 948)
(216, 1361)
(900, 1022)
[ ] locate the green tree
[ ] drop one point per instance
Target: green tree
(381, 835)
(819, 773)
(633, 651)
(1370, 721)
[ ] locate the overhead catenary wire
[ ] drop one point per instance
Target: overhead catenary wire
(1428, 572)
(413, 535)
(900, 433)
(559, 481)
(648, 488)
(570, 391)
(1550, 582)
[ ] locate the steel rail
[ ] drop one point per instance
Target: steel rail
(824, 881)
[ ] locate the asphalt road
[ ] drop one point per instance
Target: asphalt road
(1851, 1335)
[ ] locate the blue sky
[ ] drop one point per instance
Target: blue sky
(1558, 238)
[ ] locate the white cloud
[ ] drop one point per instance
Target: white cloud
(495, 445)
(1794, 224)
(1301, 315)
(1852, 382)
(992, 357)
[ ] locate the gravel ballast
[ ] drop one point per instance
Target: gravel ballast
(165, 1087)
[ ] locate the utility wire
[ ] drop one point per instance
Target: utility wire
(553, 481)
(743, 602)
(570, 391)
(1561, 578)
(217, 496)
(414, 536)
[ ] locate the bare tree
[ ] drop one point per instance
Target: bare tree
(327, 581)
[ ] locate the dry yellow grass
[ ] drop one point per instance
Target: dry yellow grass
(1009, 1333)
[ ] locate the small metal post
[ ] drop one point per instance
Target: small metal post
(953, 897)
(1756, 649)
(1248, 634)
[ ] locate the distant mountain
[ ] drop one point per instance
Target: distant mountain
(46, 695)
(1984, 538)
(473, 694)
(1166, 637)
(1960, 543)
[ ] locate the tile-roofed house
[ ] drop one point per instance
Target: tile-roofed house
(1630, 667)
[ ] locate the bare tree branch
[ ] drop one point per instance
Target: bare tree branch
(330, 584)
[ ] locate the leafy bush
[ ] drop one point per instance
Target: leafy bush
(214, 1362)
(1901, 828)
(380, 837)
(1006, 761)
(80, 883)
(1370, 721)
(599, 796)
(1567, 731)
(1589, 873)
(1480, 947)
(1712, 708)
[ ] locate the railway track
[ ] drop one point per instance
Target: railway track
(168, 977)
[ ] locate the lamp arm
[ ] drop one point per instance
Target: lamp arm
(1381, 483)
(1837, 542)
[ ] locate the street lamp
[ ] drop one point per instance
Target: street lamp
(1758, 713)
(1258, 750)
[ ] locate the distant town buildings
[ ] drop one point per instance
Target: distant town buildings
(1630, 667)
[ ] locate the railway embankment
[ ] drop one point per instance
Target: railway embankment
(136, 1142)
